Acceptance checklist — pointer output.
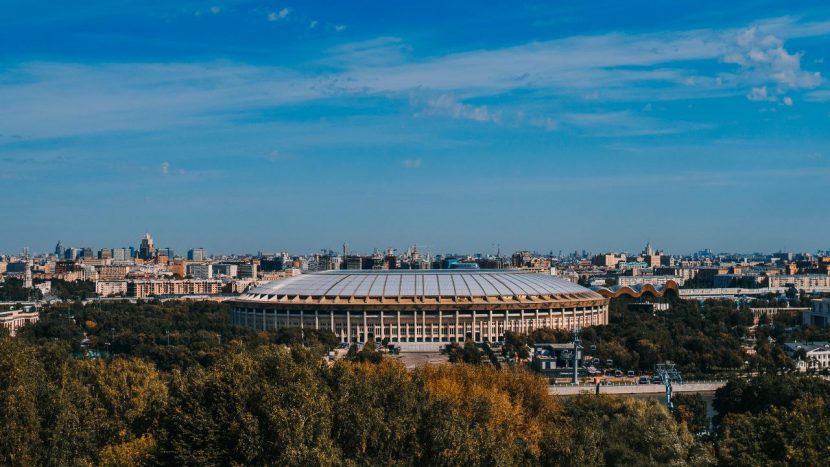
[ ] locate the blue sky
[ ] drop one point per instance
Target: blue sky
(251, 125)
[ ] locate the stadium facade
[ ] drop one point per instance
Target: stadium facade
(420, 309)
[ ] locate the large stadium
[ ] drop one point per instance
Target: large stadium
(420, 309)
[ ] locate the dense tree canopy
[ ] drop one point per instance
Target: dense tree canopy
(223, 395)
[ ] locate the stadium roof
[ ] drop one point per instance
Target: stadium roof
(392, 284)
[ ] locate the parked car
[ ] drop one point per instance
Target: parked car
(644, 380)
(630, 373)
(618, 373)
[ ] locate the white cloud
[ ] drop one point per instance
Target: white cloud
(763, 56)
(165, 168)
(411, 163)
(43, 100)
(788, 101)
(215, 10)
(760, 94)
(446, 105)
(340, 27)
(278, 15)
(312, 24)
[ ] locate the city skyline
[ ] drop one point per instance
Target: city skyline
(497, 249)
(249, 126)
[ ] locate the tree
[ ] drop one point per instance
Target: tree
(691, 410)
(470, 354)
(631, 431)
(21, 382)
(379, 409)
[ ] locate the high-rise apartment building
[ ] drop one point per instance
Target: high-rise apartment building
(147, 250)
(120, 254)
(197, 254)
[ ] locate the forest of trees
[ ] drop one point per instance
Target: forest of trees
(704, 340)
(223, 395)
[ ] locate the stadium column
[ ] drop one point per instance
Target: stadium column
(382, 327)
(522, 322)
(398, 330)
(473, 331)
(302, 321)
(348, 326)
(365, 328)
(316, 320)
(550, 318)
(456, 325)
(331, 318)
(536, 322)
(440, 325)
(490, 326)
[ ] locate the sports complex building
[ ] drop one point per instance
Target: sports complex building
(420, 309)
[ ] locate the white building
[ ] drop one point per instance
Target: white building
(15, 319)
(200, 270)
(816, 355)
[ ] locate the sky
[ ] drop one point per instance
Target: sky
(244, 126)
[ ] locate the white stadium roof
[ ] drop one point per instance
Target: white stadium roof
(391, 284)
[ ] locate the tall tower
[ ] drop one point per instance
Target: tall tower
(27, 277)
(59, 250)
(147, 250)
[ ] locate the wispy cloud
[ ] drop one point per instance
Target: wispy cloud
(279, 15)
(446, 105)
(411, 163)
(57, 99)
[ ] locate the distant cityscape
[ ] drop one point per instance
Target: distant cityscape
(149, 271)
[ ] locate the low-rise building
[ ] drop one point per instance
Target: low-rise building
(809, 355)
(13, 320)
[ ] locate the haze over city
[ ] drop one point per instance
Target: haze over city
(249, 126)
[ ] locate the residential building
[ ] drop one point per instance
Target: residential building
(110, 288)
(799, 281)
(150, 288)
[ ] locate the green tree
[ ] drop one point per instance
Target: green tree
(379, 408)
(21, 382)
